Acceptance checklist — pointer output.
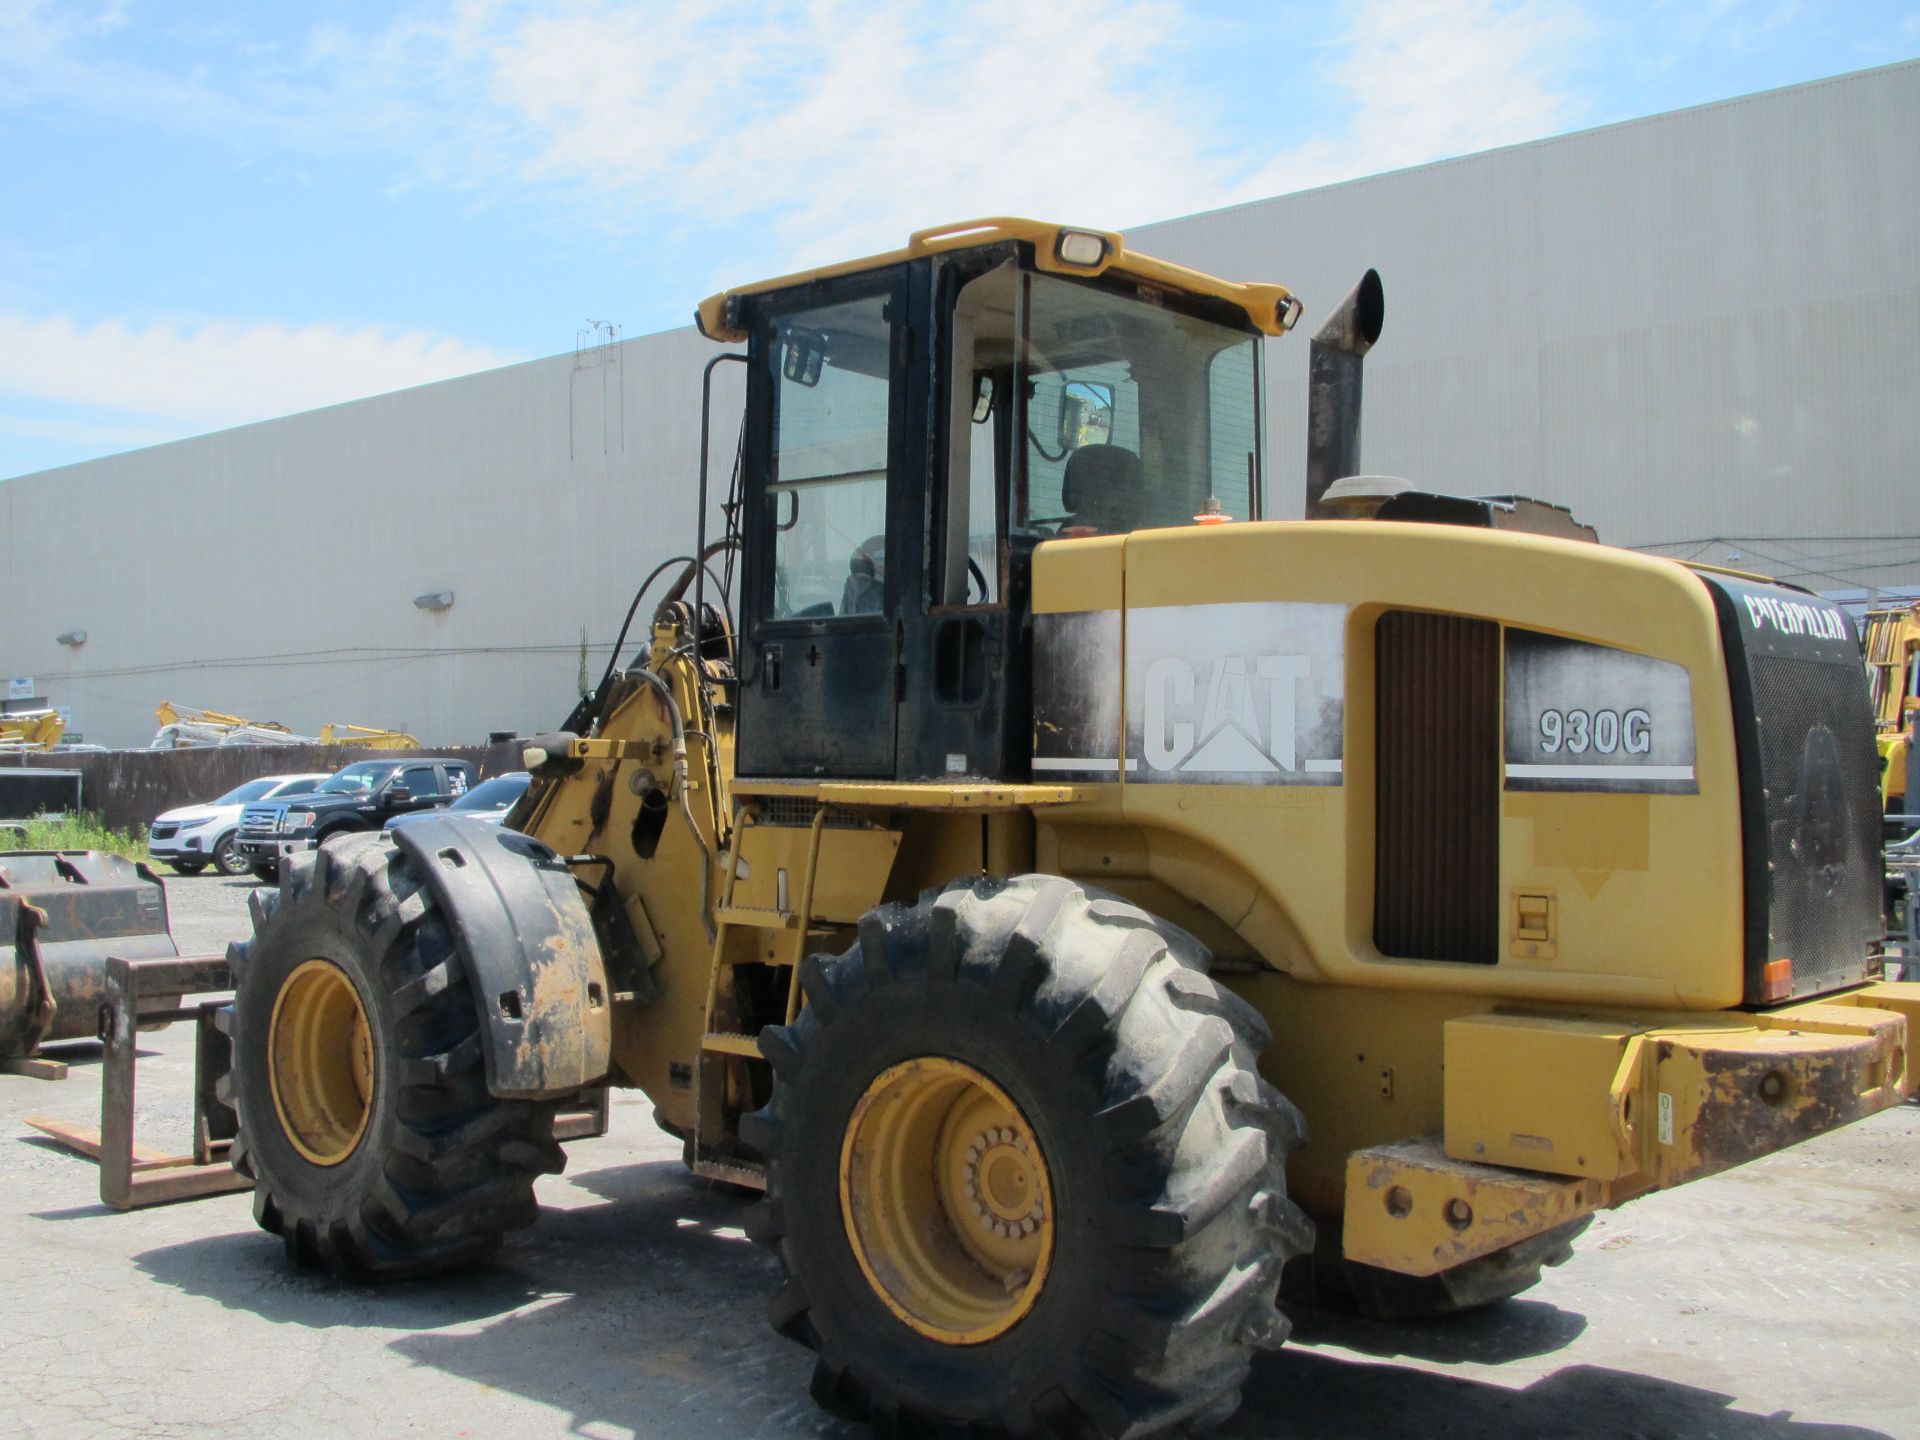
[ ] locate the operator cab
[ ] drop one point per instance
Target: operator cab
(916, 425)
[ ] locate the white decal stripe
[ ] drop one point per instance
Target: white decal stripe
(1321, 767)
(1083, 763)
(1599, 772)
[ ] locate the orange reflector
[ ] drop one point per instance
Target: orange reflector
(1776, 981)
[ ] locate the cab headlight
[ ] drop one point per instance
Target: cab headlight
(1077, 247)
(296, 820)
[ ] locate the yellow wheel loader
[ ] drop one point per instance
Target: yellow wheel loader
(1082, 903)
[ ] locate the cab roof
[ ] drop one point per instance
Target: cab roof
(1270, 309)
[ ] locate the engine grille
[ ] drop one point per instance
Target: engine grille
(1810, 788)
(166, 831)
(1437, 806)
(1821, 799)
(793, 811)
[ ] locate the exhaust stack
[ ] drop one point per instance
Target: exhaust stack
(1334, 362)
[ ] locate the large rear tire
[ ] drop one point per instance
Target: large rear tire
(1025, 1177)
(365, 1121)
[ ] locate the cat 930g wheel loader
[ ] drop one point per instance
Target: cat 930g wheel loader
(1076, 899)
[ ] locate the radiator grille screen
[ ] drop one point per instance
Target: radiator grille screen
(1437, 778)
(1809, 788)
(1822, 805)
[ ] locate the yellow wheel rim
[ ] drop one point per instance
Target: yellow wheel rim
(946, 1199)
(320, 1062)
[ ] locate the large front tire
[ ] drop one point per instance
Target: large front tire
(1025, 1177)
(365, 1121)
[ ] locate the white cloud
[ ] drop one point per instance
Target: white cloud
(816, 128)
(803, 130)
(1431, 79)
(841, 124)
(824, 128)
(207, 373)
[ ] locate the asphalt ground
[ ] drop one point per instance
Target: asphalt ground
(1776, 1302)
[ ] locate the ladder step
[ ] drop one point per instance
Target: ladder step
(760, 918)
(734, 1172)
(732, 1042)
(781, 959)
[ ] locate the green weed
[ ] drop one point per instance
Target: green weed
(84, 831)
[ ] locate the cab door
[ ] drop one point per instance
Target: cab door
(823, 465)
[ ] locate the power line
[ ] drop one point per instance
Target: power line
(1762, 540)
(367, 655)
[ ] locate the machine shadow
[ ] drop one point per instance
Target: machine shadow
(1299, 1393)
(660, 1224)
(248, 1271)
(1495, 1335)
(639, 1312)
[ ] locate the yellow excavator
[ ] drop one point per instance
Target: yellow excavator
(184, 727)
(368, 738)
(25, 731)
(1083, 903)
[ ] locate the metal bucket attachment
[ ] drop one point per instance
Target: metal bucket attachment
(62, 913)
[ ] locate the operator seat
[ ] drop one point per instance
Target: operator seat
(865, 591)
(1104, 489)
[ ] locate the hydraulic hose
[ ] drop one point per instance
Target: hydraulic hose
(679, 787)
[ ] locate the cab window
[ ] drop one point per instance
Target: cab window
(1136, 414)
(828, 488)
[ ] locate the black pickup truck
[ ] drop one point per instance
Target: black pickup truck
(364, 796)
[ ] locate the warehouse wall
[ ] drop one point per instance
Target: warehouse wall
(1701, 330)
(1703, 324)
(270, 571)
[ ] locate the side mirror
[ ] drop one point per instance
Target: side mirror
(805, 352)
(1086, 414)
(399, 794)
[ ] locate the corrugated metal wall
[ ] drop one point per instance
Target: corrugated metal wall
(270, 571)
(1699, 325)
(1700, 330)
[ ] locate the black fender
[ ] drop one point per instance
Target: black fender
(528, 944)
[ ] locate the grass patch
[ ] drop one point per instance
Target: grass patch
(84, 831)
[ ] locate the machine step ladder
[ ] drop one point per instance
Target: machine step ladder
(725, 1044)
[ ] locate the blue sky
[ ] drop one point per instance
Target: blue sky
(211, 214)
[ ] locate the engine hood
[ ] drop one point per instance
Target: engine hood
(317, 801)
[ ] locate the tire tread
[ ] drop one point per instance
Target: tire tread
(1196, 1260)
(459, 1172)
